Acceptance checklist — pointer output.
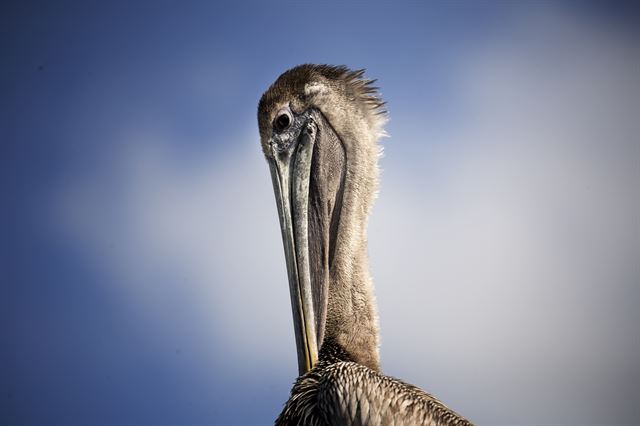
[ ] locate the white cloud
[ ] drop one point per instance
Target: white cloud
(512, 253)
(203, 228)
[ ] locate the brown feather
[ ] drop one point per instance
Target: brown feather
(345, 387)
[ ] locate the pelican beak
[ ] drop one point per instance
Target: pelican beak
(290, 166)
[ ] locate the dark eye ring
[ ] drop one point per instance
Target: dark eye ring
(283, 120)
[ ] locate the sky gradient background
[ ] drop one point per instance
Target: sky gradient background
(142, 270)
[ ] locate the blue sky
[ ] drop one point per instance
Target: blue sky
(143, 280)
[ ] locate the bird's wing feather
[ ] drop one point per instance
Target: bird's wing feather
(352, 394)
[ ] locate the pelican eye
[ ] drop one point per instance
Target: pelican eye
(283, 120)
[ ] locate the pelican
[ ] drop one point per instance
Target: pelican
(319, 129)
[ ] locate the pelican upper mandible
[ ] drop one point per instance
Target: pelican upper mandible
(319, 130)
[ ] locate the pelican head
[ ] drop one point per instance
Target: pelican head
(319, 127)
